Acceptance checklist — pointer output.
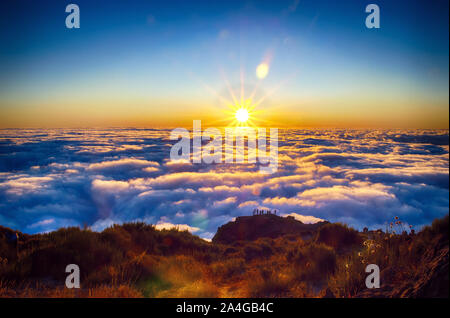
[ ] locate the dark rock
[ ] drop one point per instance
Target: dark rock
(249, 228)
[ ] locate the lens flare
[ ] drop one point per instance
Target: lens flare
(262, 70)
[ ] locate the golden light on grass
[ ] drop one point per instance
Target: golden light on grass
(242, 115)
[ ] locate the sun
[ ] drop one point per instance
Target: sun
(242, 115)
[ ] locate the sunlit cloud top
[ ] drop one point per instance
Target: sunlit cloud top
(74, 177)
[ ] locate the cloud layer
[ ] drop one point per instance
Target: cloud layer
(54, 178)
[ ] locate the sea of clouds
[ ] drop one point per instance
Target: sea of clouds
(73, 177)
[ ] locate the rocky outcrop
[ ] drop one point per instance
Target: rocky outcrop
(249, 228)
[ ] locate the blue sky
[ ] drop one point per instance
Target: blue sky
(153, 53)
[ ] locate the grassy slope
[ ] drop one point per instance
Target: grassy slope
(135, 260)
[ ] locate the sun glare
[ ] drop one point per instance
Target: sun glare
(242, 115)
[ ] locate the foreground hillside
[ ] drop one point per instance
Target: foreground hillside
(258, 256)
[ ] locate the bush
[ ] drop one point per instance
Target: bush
(268, 283)
(315, 262)
(228, 269)
(338, 236)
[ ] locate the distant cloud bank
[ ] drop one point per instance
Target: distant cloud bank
(55, 178)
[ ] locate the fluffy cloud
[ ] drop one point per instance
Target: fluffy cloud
(307, 219)
(109, 185)
(125, 163)
(54, 178)
(180, 227)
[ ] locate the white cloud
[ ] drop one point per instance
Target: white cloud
(307, 219)
(180, 227)
(42, 223)
(110, 185)
(122, 163)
